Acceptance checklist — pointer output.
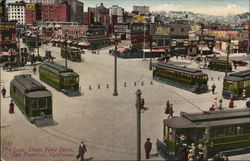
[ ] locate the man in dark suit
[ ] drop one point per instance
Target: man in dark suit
(82, 150)
(148, 147)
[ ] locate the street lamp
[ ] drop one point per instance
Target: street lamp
(115, 66)
(66, 48)
(152, 44)
(228, 52)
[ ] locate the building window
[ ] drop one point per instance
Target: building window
(182, 29)
(7, 35)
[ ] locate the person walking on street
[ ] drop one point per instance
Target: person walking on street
(231, 103)
(220, 104)
(213, 88)
(3, 92)
(148, 147)
(82, 150)
(243, 96)
(171, 111)
(215, 104)
(34, 70)
(11, 108)
(167, 109)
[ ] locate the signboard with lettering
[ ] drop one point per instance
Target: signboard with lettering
(7, 27)
(162, 30)
(30, 6)
(140, 28)
(224, 34)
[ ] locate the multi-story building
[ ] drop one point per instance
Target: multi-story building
(101, 14)
(3, 10)
(76, 8)
(88, 36)
(16, 12)
(116, 14)
(55, 12)
(161, 36)
(32, 13)
(141, 10)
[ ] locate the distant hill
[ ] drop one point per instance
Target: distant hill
(244, 15)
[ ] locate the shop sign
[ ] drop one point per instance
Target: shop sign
(30, 6)
(162, 30)
(7, 27)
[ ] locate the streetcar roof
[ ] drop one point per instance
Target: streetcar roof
(39, 94)
(220, 61)
(56, 67)
(69, 74)
(179, 68)
(26, 83)
(238, 76)
(183, 123)
(210, 118)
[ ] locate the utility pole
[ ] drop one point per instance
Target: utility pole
(115, 66)
(66, 48)
(138, 115)
(228, 52)
(150, 62)
(19, 46)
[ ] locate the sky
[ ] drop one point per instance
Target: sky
(210, 7)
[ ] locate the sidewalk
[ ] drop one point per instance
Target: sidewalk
(224, 54)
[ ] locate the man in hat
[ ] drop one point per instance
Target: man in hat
(82, 150)
(213, 88)
(3, 92)
(11, 108)
(148, 147)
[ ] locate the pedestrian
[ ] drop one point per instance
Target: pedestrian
(171, 111)
(34, 70)
(148, 147)
(231, 103)
(212, 108)
(200, 153)
(213, 88)
(3, 92)
(142, 103)
(235, 66)
(191, 155)
(243, 96)
(197, 88)
(220, 104)
(215, 104)
(81, 151)
(11, 108)
(167, 109)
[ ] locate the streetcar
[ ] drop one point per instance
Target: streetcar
(71, 54)
(235, 83)
(185, 78)
(224, 131)
(32, 98)
(220, 65)
(61, 78)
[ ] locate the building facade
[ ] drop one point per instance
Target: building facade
(55, 12)
(76, 10)
(16, 12)
(3, 11)
(141, 10)
(7, 35)
(32, 13)
(100, 13)
(116, 14)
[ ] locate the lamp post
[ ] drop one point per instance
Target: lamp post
(115, 66)
(66, 48)
(228, 51)
(152, 44)
(138, 115)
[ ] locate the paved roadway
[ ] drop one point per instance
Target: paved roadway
(106, 124)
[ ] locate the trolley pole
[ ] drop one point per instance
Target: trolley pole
(115, 71)
(138, 113)
(228, 51)
(19, 50)
(66, 48)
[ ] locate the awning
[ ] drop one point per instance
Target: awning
(62, 41)
(121, 50)
(69, 41)
(204, 48)
(87, 44)
(158, 50)
(5, 54)
(74, 42)
(81, 43)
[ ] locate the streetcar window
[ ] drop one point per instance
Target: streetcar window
(230, 130)
(239, 130)
(220, 131)
(42, 103)
(246, 129)
(212, 132)
(34, 104)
